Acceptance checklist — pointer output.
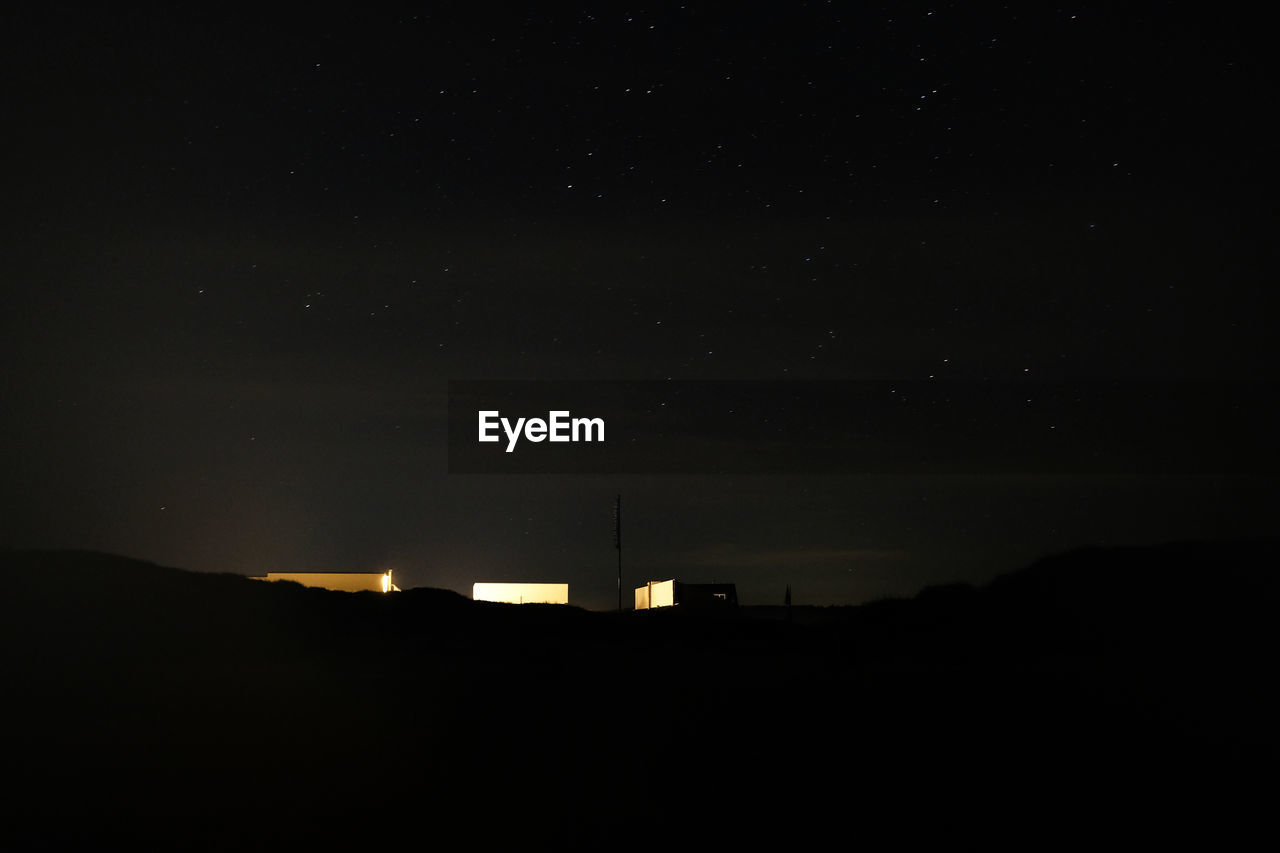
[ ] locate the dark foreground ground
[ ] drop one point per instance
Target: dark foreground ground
(1104, 697)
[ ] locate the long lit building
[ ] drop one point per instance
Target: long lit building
(522, 593)
(371, 581)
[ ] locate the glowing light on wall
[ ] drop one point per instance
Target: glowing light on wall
(340, 581)
(656, 594)
(522, 593)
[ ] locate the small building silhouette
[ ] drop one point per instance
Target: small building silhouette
(373, 581)
(673, 593)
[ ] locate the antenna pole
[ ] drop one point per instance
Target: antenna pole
(617, 543)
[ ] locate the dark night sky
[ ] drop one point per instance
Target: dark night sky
(245, 253)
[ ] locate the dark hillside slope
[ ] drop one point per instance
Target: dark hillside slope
(1112, 687)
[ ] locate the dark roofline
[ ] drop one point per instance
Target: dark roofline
(351, 572)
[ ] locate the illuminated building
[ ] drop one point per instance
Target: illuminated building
(673, 593)
(372, 581)
(522, 593)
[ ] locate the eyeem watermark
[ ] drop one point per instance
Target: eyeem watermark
(955, 427)
(558, 427)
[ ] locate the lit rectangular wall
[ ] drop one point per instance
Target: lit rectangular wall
(656, 594)
(340, 581)
(522, 593)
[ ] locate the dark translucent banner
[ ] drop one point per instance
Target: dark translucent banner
(914, 427)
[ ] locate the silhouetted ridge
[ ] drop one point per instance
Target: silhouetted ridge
(225, 703)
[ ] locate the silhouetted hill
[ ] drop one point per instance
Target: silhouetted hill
(1204, 595)
(218, 710)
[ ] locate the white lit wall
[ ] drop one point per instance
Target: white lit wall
(522, 593)
(656, 594)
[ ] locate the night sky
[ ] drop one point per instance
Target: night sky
(244, 254)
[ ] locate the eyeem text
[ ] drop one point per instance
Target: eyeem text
(557, 427)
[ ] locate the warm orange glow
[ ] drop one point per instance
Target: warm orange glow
(340, 581)
(656, 594)
(522, 593)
